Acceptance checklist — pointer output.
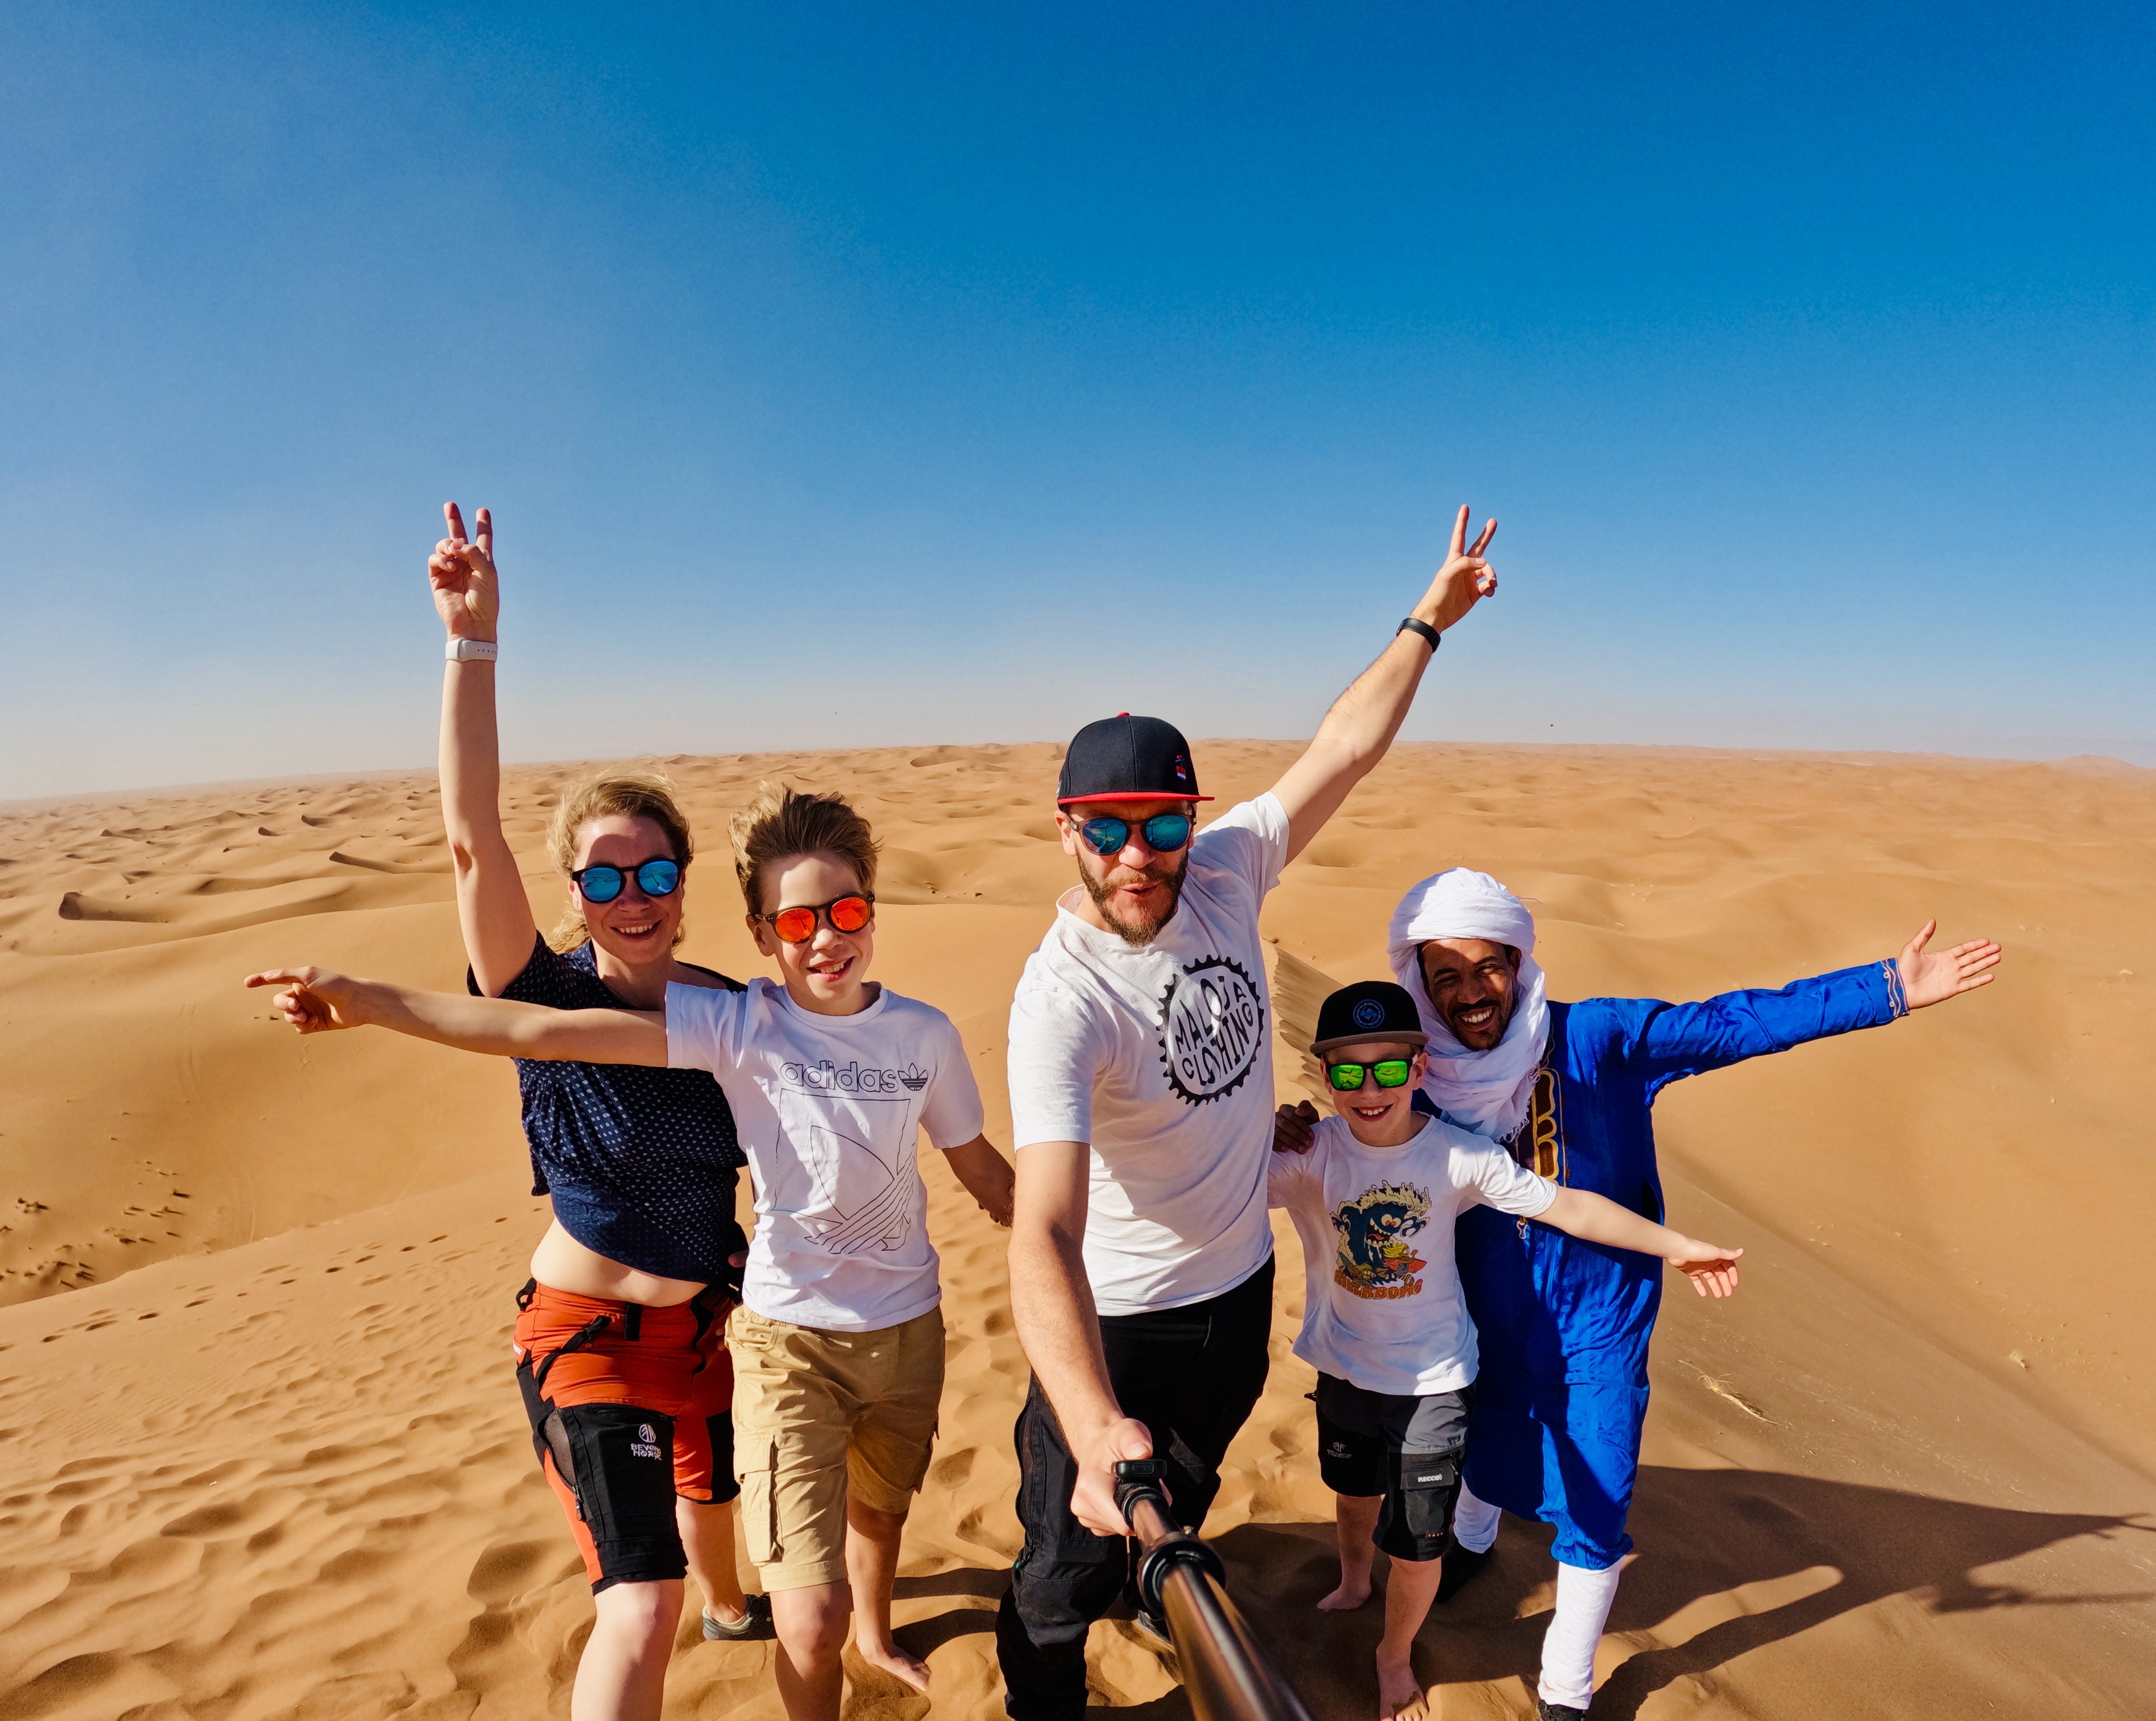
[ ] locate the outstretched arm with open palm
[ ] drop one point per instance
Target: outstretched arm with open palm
(1932, 977)
(1365, 719)
(491, 906)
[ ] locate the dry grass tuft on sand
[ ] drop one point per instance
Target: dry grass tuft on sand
(264, 1458)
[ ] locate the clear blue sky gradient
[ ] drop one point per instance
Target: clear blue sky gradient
(852, 374)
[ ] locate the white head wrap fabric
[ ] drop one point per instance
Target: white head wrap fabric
(1488, 1091)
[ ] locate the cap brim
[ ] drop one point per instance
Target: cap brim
(1130, 794)
(1401, 1036)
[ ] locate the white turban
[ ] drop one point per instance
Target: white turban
(1488, 1091)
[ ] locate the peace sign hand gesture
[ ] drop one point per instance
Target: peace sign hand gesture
(1465, 579)
(467, 594)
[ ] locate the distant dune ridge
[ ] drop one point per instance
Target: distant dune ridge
(265, 1459)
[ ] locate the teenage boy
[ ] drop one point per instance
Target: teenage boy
(1374, 1201)
(837, 1343)
(1140, 1080)
(1568, 1090)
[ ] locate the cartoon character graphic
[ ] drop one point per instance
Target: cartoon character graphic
(1375, 1259)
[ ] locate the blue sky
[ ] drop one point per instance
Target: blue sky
(847, 374)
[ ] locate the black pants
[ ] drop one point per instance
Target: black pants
(1192, 1376)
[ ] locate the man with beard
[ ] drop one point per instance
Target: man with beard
(1141, 1079)
(1568, 1090)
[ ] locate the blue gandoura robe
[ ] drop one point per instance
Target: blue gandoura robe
(1554, 1433)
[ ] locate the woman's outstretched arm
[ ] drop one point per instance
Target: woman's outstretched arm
(491, 906)
(316, 1001)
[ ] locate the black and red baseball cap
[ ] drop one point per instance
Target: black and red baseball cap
(1127, 758)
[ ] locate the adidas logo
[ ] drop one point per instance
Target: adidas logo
(853, 1077)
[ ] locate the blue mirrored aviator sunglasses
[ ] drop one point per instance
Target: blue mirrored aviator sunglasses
(1164, 832)
(660, 877)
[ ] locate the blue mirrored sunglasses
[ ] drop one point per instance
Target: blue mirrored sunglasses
(1164, 832)
(602, 884)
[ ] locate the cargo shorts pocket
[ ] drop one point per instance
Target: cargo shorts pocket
(621, 1462)
(1430, 1489)
(919, 1467)
(756, 1459)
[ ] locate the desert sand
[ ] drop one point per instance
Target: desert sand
(262, 1456)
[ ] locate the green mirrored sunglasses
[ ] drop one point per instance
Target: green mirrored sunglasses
(1392, 1072)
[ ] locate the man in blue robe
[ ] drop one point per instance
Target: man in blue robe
(1569, 1089)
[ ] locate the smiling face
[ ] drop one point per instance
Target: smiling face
(634, 929)
(1379, 1116)
(1132, 892)
(825, 974)
(1472, 984)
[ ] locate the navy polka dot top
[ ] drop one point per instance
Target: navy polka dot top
(642, 1164)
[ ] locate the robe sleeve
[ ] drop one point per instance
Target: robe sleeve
(1663, 1042)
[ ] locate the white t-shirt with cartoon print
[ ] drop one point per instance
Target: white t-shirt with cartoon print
(1382, 1306)
(1161, 1058)
(827, 1109)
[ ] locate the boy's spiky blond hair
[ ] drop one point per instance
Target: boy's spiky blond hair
(781, 822)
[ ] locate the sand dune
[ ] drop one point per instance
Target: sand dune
(264, 1458)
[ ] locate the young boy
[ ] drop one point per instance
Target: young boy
(837, 1343)
(1373, 1201)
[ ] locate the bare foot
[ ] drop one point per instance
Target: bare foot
(896, 1662)
(1400, 1695)
(1346, 1599)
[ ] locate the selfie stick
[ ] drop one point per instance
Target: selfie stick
(1225, 1669)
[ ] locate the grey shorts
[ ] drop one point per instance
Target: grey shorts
(1407, 1449)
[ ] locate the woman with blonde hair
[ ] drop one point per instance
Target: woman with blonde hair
(620, 1355)
(839, 1335)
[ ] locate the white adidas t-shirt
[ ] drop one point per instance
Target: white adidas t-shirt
(1382, 1306)
(827, 1108)
(1161, 1058)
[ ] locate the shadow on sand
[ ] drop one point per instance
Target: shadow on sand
(1829, 1547)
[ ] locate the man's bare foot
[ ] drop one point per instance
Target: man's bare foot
(1346, 1599)
(896, 1662)
(1400, 1695)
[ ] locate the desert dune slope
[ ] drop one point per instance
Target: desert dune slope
(263, 1455)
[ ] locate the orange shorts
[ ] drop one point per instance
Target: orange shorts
(630, 1407)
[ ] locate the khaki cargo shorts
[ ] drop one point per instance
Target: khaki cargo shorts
(820, 1417)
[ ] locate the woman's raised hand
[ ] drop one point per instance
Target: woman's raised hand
(461, 571)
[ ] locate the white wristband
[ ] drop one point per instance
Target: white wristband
(469, 650)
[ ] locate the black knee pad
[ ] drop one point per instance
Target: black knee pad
(619, 1459)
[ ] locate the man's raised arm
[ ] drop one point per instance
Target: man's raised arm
(1360, 727)
(1052, 1304)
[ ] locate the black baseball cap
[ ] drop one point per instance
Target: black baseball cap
(1127, 758)
(1369, 1010)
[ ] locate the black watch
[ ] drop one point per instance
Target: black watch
(1410, 626)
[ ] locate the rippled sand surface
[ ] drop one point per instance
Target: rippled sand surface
(263, 1454)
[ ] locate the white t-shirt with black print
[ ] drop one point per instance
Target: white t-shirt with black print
(1382, 1304)
(827, 1108)
(1161, 1058)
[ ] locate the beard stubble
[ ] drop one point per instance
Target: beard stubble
(1135, 934)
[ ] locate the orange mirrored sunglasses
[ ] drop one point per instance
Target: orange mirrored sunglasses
(848, 913)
